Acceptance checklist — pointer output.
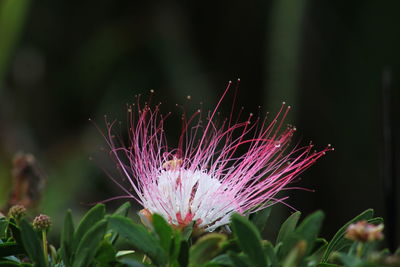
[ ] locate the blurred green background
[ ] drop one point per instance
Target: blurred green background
(62, 62)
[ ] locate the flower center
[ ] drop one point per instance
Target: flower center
(187, 195)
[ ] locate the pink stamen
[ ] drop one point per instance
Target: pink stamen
(227, 166)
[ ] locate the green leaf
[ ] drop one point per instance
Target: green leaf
(123, 253)
(105, 255)
(93, 216)
(269, 251)
(248, 239)
(307, 231)
(349, 260)
(328, 265)
(222, 259)
(66, 238)
(138, 236)
(320, 246)
(260, 218)
(11, 258)
(163, 231)
(310, 228)
(89, 243)
(123, 210)
(335, 242)
(295, 255)
(175, 245)
(183, 258)
(8, 264)
(3, 227)
(206, 248)
(132, 262)
(211, 264)
(10, 248)
(231, 244)
(376, 220)
(320, 243)
(15, 230)
(288, 227)
(239, 260)
(32, 244)
(187, 231)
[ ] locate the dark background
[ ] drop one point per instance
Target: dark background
(62, 62)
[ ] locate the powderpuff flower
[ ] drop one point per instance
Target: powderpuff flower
(219, 167)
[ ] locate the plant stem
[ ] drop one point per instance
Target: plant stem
(360, 247)
(44, 240)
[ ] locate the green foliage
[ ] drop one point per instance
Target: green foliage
(288, 226)
(3, 227)
(66, 238)
(94, 215)
(139, 237)
(32, 244)
(10, 248)
(89, 244)
(164, 232)
(249, 240)
(206, 248)
(123, 210)
(99, 238)
(259, 219)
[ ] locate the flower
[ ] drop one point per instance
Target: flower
(217, 168)
(17, 211)
(42, 222)
(363, 231)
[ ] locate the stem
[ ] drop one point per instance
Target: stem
(360, 248)
(46, 255)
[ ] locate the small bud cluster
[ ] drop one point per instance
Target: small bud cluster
(363, 231)
(42, 222)
(17, 212)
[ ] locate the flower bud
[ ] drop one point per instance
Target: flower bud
(17, 212)
(42, 222)
(146, 218)
(363, 231)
